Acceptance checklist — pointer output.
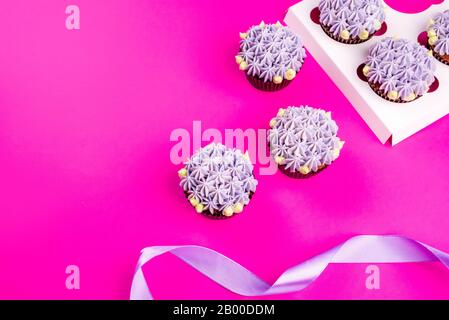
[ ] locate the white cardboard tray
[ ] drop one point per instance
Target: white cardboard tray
(340, 61)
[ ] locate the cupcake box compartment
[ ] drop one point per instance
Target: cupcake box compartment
(388, 120)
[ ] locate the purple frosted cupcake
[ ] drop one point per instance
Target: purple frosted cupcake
(303, 141)
(438, 36)
(218, 181)
(271, 55)
(351, 21)
(399, 70)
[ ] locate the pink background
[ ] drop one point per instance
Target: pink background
(86, 179)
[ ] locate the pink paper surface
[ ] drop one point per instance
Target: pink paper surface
(86, 177)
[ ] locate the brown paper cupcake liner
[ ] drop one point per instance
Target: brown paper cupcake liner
(444, 59)
(218, 215)
(326, 29)
(270, 86)
(376, 89)
(299, 175)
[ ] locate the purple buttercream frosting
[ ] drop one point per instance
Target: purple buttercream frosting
(219, 177)
(304, 136)
(441, 29)
(354, 16)
(401, 66)
(270, 50)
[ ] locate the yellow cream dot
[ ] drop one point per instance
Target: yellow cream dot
(262, 24)
(238, 207)
(431, 22)
(290, 74)
(272, 123)
(393, 95)
(182, 173)
(281, 112)
(243, 65)
(278, 24)
(430, 53)
(336, 153)
(228, 212)
(243, 35)
(377, 24)
(365, 70)
(277, 79)
(246, 156)
(341, 144)
(433, 40)
(304, 170)
(431, 33)
(344, 34)
(279, 160)
(194, 201)
(364, 34)
(238, 59)
(329, 114)
(410, 97)
(199, 208)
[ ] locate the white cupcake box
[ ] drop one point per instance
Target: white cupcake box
(341, 61)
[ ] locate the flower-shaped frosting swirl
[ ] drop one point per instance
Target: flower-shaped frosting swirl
(304, 139)
(271, 52)
(402, 69)
(438, 32)
(218, 179)
(353, 18)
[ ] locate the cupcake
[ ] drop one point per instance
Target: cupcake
(399, 70)
(271, 55)
(438, 36)
(218, 181)
(351, 21)
(303, 141)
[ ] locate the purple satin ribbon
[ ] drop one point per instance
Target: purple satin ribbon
(235, 278)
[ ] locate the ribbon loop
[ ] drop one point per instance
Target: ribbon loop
(234, 277)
